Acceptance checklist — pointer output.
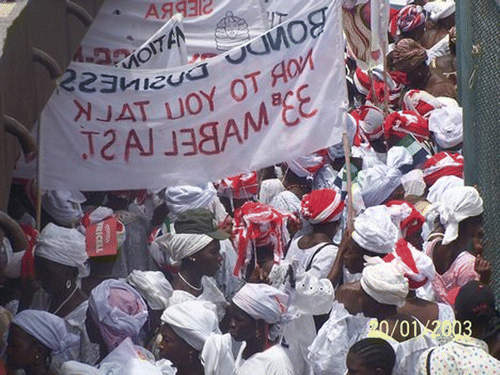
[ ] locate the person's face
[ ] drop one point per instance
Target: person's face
(52, 276)
(476, 239)
(356, 366)
(242, 326)
(172, 347)
(353, 257)
(20, 348)
(208, 259)
(369, 306)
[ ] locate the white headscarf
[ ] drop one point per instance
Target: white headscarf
(413, 183)
(374, 230)
(181, 245)
(385, 284)
(153, 286)
(64, 246)
(440, 9)
(49, 329)
(379, 182)
(64, 205)
(262, 301)
(185, 197)
(447, 125)
(118, 310)
(458, 204)
(194, 321)
(442, 184)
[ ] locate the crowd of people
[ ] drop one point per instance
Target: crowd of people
(365, 263)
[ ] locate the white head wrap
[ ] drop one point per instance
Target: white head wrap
(262, 301)
(185, 197)
(64, 205)
(64, 246)
(440, 9)
(447, 125)
(413, 183)
(77, 368)
(374, 230)
(153, 286)
(194, 321)
(49, 329)
(385, 284)
(379, 182)
(269, 189)
(442, 184)
(181, 245)
(458, 204)
(118, 310)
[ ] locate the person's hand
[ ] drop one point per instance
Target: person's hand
(483, 268)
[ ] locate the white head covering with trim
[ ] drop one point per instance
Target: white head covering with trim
(49, 329)
(374, 230)
(385, 284)
(194, 321)
(181, 245)
(447, 125)
(64, 246)
(64, 205)
(153, 286)
(458, 204)
(438, 10)
(262, 301)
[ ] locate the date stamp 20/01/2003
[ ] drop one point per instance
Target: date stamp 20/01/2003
(435, 328)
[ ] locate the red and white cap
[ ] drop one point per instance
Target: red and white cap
(443, 164)
(322, 206)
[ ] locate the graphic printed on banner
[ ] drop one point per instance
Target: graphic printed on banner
(211, 27)
(165, 49)
(275, 98)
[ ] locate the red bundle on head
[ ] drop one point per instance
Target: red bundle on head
(257, 224)
(420, 101)
(411, 221)
(443, 164)
(417, 267)
(243, 186)
(322, 206)
(400, 124)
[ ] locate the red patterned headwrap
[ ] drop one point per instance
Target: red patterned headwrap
(410, 18)
(410, 220)
(257, 224)
(243, 186)
(402, 123)
(322, 206)
(443, 164)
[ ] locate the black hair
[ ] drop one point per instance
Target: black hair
(470, 221)
(475, 302)
(375, 353)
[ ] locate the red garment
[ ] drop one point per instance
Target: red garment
(402, 123)
(443, 164)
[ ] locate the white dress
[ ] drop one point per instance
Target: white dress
(273, 361)
(313, 296)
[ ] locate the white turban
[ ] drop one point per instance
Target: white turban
(77, 368)
(181, 245)
(374, 230)
(447, 125)
(118, 310)
(440, 9)
(64, 246)
(413, 183)
(194, 321)
(49, 329)
(185, 197)
(64, 205)
(458, 204)
(385, 284)
(379, 182)
(153, 286)
(442, 184)
(262, 301)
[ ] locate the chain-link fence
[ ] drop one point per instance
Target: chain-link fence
(479, 69)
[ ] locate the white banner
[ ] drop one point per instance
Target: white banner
(165, 49)
(276, 98)
(211, 27)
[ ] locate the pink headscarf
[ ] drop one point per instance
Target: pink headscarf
(118, 311)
